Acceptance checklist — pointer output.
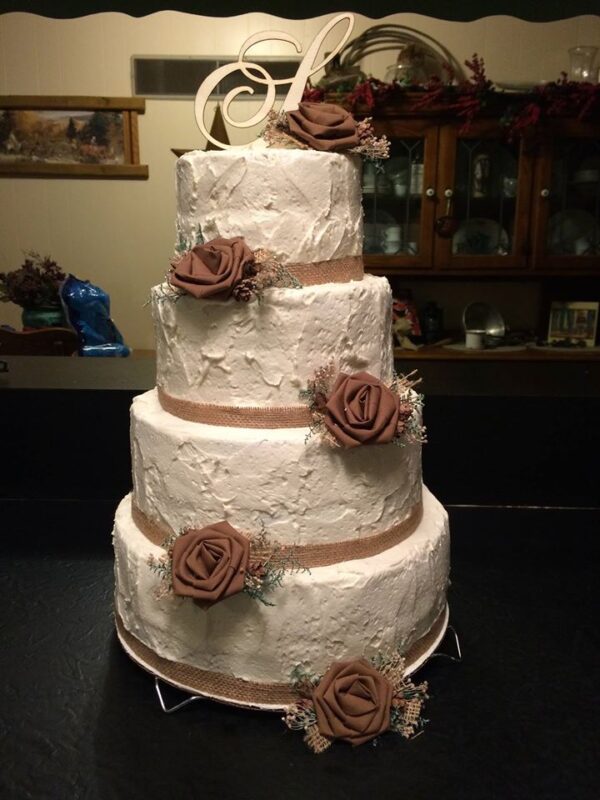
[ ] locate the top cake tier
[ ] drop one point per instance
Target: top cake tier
(301, 205)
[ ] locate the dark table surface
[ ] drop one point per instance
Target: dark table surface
(515, 719)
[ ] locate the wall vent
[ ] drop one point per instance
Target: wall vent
(179, 77)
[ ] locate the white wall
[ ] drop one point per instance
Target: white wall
(120, 234)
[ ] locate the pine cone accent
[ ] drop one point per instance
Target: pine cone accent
(245, 290)
(320, 402)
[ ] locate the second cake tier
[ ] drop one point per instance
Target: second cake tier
(263, 353)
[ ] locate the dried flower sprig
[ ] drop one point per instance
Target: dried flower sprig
(562, 98)
(300, 716)
(277, 134)
(162, 566)
(371, 147)
(469, 97)
(164, 291)
(268, 566)
(410, 426)
(315, 396)
(313, 94)
(303, 681)
(371, 93)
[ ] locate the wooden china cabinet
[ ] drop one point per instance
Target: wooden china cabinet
(460, 205)
(465, 203)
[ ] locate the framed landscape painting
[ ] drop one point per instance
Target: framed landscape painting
(70, 136)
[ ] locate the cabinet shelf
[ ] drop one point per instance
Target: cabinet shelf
(400, 266)
(440, 353)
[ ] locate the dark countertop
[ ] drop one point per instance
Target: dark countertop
(515, 720)
(136, 373)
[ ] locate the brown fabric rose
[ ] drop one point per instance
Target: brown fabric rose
(361, 410)
(210, 564)
(212, 269)
(323, 126)
(352, 702)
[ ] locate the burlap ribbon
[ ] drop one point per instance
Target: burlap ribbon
(235, 416)
(230, 689)
(306, 555)
(338, 270)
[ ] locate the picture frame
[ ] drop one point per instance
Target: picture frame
(576, 321)
(70, 136)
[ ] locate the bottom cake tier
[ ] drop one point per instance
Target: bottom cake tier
(243, 652)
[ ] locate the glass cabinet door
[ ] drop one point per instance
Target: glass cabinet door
(483, 188)
(567, 196)
(397, 215)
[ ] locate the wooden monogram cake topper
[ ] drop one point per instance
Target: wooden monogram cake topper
(257, 74)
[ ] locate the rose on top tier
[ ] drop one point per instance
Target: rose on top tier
(352, 702)
(323, 126)
(212, 269)
(210, 564)
(361, 410)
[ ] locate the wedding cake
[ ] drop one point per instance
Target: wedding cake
(278, 521)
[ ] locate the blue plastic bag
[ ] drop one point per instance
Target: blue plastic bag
(87, 308)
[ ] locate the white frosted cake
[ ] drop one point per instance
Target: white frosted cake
(359, 547)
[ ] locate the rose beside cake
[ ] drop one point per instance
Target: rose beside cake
(279, 549)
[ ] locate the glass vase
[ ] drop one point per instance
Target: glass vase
(581, 62)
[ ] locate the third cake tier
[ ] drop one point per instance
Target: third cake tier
(188, 474)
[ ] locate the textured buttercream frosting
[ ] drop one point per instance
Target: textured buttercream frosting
(304, 207)
(214, 351)
(301, 205)
(186, 474)
(357, 607)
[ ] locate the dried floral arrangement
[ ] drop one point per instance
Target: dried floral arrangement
(359, 409)
(468, 98)
(224, 268)
(34, 284)
(356, 701)
(561, 98)
(215, 562)
(281, 132)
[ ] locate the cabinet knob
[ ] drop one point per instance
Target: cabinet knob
(545, 193)
(430, 192)
(448, 193)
